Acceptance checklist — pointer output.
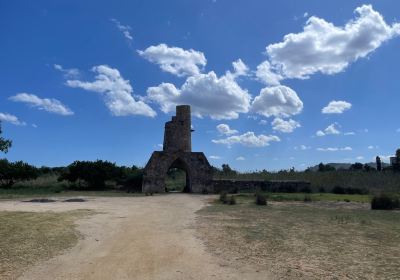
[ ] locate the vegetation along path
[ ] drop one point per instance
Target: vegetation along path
(134, 238)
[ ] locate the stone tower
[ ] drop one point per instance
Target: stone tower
(177, 153)
(177, 133)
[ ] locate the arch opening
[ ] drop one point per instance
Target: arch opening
(177, 178)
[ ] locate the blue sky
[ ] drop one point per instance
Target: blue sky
(272, 85)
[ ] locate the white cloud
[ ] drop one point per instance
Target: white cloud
(320, 133)
(248, 139)
(278, 101)
(302, 147)
(336, 107)
(240, 158)
(330, 149)
(359, 158)
(208, 95)
(225, 129)
(263, 122)
(68, 72)
(267, 74)
(330, 130)
(11, 119)
(215, 157)
(349, 133)
(305, 14)
(372, 147)
(46, 104)
(125, 29)
(240, 69)
(175, 60)
(284, 126)
(116, 91)
(384, 158)
(329, 49)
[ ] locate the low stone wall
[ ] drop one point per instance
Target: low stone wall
(234, 186)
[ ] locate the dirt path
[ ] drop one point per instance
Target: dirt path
(135, 238)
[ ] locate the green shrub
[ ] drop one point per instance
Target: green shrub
(231, 200)
(223, 197)
(261, 199)
(307, 198)
(384, 202)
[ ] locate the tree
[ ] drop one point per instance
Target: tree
(94, 173)
(396, 164)
(356, 166)
(5, 144)
(11, 172)
(325, 167)
(227, 170)
(378, 163)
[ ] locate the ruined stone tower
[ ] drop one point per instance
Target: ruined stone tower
(177, 153)
(177, 133)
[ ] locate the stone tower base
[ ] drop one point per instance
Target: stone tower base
(199, 172)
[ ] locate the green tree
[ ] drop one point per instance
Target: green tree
(5, 144)
(357, 166)
(396, 164)
(378, 163)
(325, 167)
(93, 173)
(12, 172)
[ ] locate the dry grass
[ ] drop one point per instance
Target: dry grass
(27, 237)
(296, 240)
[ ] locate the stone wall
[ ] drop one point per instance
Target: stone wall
(233, 186)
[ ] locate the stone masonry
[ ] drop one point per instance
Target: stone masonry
(177, 153)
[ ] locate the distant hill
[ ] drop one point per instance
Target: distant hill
(346, 166)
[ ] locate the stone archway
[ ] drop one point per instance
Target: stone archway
(181, 165)
(177, 150)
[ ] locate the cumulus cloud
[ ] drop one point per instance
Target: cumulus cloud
(268, 75)
(248, 139)
(334, 149)
(284, 126)
(208, 95)
(116, 91)
(225, 129)
(11, 119)
(175, 60)
(278, 101)
(336, 107)
(46, 104)
(125, 29)
(263, 122)
(240, 68)
(240, 158)
(329, 49)
(330, 130)
(68, 72)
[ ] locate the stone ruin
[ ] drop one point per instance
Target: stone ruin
(177, 153)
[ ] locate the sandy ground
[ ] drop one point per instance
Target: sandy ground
(135, 238)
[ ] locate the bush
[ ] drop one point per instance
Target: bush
(384, 202)
(348, 190)
(231, 200)
(223, 197)
(261, 199)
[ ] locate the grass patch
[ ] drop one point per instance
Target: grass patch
(27, 237)
(244, 197)
(305, 240)
(20, 194)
